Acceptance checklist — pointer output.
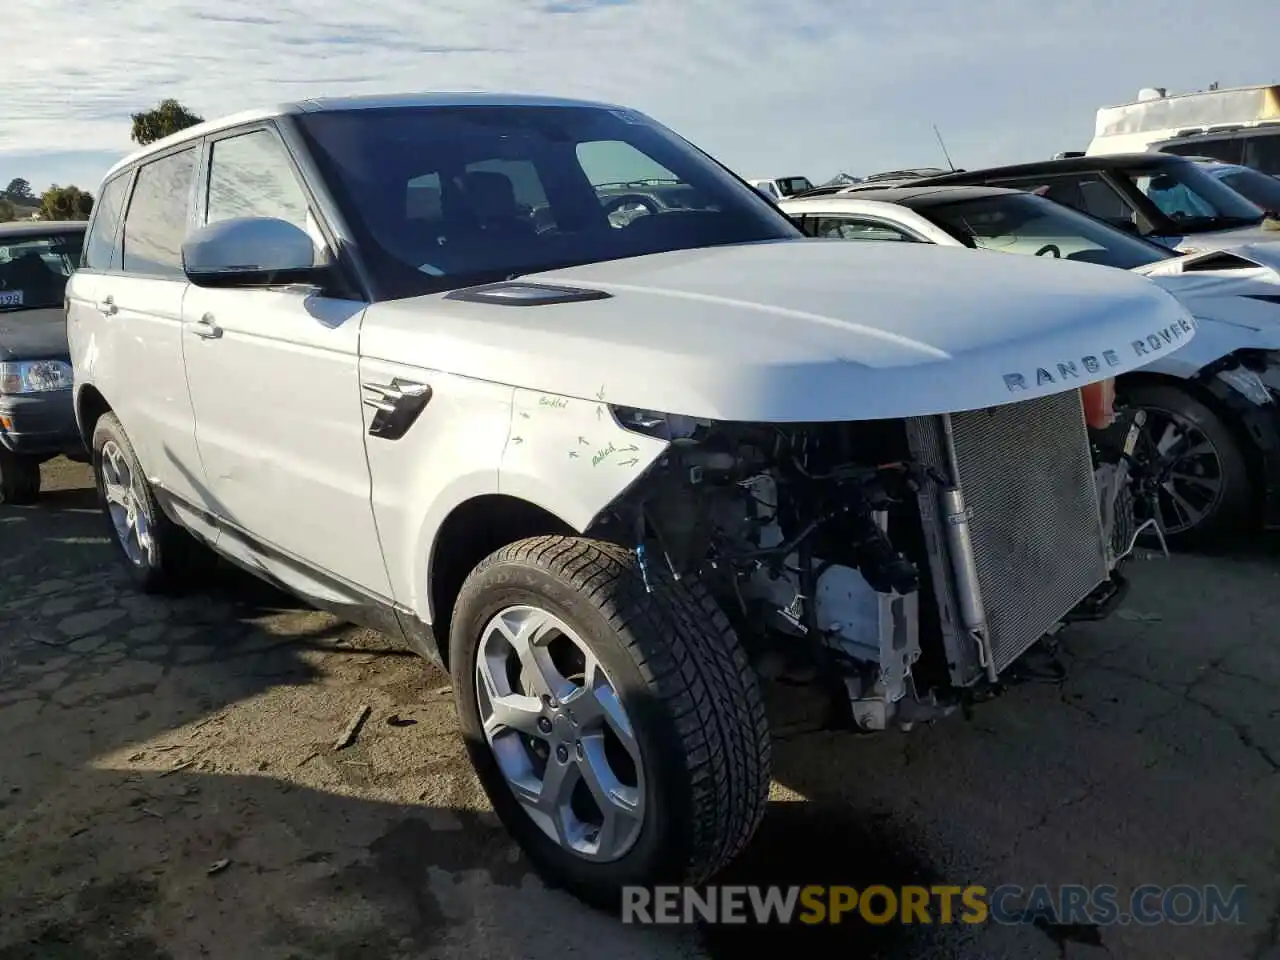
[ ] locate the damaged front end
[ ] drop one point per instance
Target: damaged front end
(906, 564)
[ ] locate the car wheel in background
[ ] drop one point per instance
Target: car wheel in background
(1202, 483)
(19, 478)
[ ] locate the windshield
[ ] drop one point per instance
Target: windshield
(34, 269)
(447, 197)
(793, 185)
(1024, 223)
(1256, 187)
(1192, 199)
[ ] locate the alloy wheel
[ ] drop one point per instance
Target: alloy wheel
(1186, 470)
(552, 717)
(121, 488)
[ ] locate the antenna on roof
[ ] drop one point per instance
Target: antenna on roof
(944, 148)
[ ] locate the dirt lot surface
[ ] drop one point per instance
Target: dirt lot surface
(169, 786)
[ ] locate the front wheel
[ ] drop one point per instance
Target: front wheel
(619, 734)
(1200, 476)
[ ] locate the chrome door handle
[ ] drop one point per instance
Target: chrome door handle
(107, 306)
(206, 328)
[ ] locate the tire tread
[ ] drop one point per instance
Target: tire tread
(691, 659)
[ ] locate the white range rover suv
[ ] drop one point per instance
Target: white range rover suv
(392, 355)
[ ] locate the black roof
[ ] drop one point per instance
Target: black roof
(907, 173)
(1265, 128)
(22, 229)
(1112, 161)
(915, 195)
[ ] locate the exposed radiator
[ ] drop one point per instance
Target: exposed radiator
(1027, 477)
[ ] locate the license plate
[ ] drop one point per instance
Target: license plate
(10, 298)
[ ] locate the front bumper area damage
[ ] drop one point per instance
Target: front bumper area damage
(905, 565)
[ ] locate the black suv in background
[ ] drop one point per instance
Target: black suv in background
(1257, 147)
(1165, 198)
(37, 421)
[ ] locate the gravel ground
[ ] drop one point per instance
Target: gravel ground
(169, 786)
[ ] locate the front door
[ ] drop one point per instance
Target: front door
(274, 382)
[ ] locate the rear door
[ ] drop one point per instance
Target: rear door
(140, 371)
(87, 320)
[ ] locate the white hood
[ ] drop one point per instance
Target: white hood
(1222, 239)
(800, 330)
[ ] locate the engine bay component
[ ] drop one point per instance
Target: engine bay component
(909, 559)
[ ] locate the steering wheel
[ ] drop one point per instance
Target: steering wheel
(1050, 248)
(625, 209)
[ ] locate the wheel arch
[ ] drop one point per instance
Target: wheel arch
(90, 405)
(470, 532)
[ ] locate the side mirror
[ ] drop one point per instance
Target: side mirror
(250, 252)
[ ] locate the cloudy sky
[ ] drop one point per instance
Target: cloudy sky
(807, 87)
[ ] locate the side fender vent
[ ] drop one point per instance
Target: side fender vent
(514, 293)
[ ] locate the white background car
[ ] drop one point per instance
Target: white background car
(589, 465)
(778, 187)
(1213, 422)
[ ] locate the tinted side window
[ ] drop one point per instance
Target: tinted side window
(1263, 153)
(251, 176)
(1060, 189)
(1102, 201)
(1227, 150)
(99, 245)
(156, 223)
(1086, 191)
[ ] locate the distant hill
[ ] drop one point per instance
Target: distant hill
(24, 209)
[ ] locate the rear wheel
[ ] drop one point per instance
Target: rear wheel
(620, 735)
(19, 478)
(1202, 485)
(159, 555)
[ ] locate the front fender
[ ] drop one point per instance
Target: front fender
(1214, 339)
(570, 456)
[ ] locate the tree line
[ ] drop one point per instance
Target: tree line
(18, 200)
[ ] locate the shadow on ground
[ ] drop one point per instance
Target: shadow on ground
(169, 786)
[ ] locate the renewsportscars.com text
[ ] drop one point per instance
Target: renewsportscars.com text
(1007, 904)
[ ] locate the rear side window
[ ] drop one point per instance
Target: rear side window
(99, 246)
(1085, 191)
(1263, 153)
(156, 223)
(1228, 150)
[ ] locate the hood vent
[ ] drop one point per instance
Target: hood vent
(517, 293)
(1220, 261)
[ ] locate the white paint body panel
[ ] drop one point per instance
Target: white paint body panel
(571, 456)
(792, 331)
(1227, 317)
(135, 357)
(452, 454)
(278, 428)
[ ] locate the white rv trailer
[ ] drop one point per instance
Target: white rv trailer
(1157, 116)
